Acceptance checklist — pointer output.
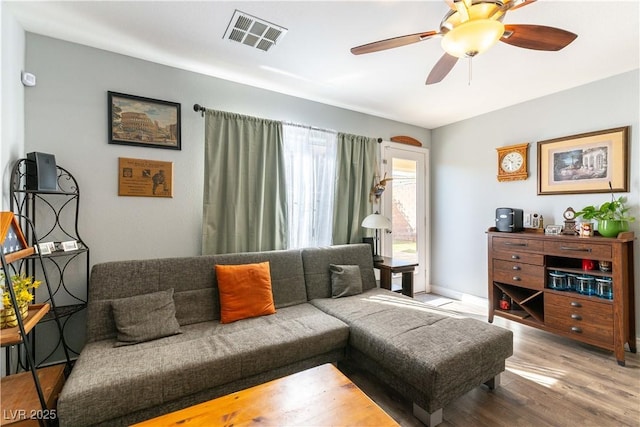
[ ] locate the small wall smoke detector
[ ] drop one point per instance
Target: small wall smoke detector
(254, 32)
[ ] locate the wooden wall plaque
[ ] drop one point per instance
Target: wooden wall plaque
(145, 178)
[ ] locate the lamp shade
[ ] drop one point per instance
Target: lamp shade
(376, 221)
(472, 37)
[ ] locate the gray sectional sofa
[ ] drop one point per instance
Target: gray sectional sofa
(430, 356)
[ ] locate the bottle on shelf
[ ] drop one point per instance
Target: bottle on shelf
(505, 302)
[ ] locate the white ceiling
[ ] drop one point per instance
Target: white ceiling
(313, 60)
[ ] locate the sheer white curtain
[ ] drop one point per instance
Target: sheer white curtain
(310, 164)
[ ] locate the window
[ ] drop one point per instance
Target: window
(310, 162)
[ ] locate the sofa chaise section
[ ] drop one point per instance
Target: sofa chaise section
(429, 355)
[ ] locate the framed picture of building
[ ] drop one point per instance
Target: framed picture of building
(594, 162)
(135, 120)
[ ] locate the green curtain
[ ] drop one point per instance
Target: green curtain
(245, 206)
(356, 164)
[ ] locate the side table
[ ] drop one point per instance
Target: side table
(388, 266)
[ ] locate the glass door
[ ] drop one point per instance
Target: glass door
(405, 202)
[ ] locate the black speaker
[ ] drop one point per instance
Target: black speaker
(509, 219)
(42, 173)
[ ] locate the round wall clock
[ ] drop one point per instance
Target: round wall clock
(512, 162)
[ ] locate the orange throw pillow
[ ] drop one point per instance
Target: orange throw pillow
(245, 291)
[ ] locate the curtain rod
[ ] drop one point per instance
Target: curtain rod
(201, 109)
(310, 127)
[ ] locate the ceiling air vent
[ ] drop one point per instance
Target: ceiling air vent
(255, 32)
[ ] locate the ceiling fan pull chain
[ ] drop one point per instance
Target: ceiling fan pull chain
(470, 70)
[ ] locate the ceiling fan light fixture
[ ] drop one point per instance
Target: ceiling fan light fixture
(472, 37)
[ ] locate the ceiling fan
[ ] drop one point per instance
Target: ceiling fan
(473, 26)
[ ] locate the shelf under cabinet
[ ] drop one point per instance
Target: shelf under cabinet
(578, 295)
(520, 316)
(530, 301)
(580, 271)
(11, 336)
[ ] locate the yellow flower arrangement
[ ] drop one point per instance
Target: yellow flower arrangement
(22, 286)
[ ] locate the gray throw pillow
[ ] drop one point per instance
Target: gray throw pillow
(145, 317)
(345, 280)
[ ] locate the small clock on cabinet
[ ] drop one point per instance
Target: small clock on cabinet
(569, 222)
(513, 163)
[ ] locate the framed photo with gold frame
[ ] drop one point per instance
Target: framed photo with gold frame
(145, 178)
(594, 162)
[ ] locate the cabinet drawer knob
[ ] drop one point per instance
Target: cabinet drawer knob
(516, 267)
(576, 329)
(516, 278)
(576, 316)
(575, 304)
(515, 257)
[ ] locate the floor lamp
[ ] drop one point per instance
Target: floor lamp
(377, 222)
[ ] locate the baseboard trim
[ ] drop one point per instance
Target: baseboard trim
(472, 299)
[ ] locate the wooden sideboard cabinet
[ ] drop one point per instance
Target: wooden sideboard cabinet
(520, 269)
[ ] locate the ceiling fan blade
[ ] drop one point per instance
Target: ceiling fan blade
(519, 3)
(537, 37)
(392, 42)
(441, 69)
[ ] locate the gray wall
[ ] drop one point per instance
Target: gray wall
(66, 114)
(11, 98)
(11, 108)
(465, 191)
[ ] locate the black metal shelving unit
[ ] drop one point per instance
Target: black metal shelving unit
(54, 215)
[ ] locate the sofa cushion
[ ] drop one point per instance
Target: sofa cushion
(205, 356)
(145, 317)
(345, 280)
(316, 262)
(287, 276)
(245, 291)
(190, 277)
(193, 278)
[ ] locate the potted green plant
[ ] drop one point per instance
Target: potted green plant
(612, 217)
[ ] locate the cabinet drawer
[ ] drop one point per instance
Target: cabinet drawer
(516, 243)
(576, 249)
(511, 255)
(519, 274)
(576, 316)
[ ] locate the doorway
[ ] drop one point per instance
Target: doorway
(405, 202)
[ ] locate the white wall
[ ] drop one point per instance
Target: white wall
(11, 98)
(66, 114)
(11, 106)
(465, 191)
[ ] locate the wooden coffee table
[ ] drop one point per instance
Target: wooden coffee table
(321, 396)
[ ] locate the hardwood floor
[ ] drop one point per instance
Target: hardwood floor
(549, 381)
